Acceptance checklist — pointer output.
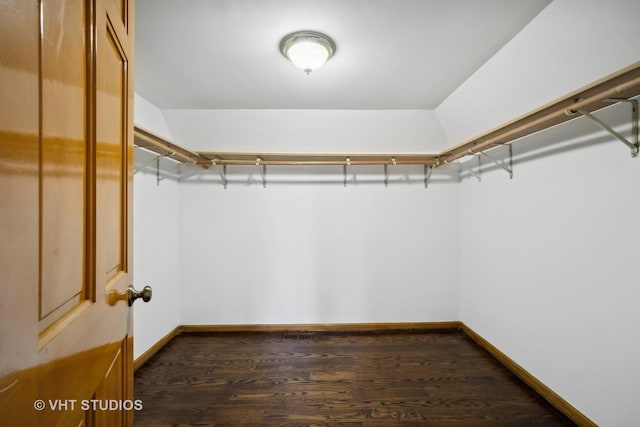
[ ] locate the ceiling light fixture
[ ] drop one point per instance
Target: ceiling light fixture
(307, 50)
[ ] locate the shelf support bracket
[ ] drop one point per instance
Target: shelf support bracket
(263, 171)
(386, 171)
(344, 169)
(222, 172)
(428, 170)
(634, 145)
(386, 175)
(503, 164)
(175, 171)
(156, 158)
(477, 175)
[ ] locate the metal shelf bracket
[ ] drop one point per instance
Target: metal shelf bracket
(344, 169)
(503, 164)
(386, 171)
(263, 171)
(386, 175)
(177, 172)
(633, 145)
(428, 170)
(222, 172)
(155, 159)
(477, 175)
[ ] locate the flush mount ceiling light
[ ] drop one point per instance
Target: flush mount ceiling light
(307, 50)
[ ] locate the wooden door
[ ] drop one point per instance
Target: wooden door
(66, 135)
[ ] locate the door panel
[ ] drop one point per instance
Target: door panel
(115, 384)
(63, 158)
(112, 151)
(66, 173)
(120, 12)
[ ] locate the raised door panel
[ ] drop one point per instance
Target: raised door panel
(121, 11)
(113, 163)
(63, 158)
(115, 383)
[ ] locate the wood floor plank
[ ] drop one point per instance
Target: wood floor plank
(391, 378)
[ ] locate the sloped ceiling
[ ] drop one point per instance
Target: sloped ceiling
(391, 54)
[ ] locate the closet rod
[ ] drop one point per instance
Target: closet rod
(330, 162)
(325, 159)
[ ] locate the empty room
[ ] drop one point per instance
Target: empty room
(320, 212)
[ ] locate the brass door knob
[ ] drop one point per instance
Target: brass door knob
(145, 294)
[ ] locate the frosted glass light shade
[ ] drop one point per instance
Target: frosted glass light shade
(307, 50)
(307, 55)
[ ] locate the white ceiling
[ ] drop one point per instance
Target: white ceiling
(391, 54)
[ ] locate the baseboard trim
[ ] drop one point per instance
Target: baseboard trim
(144, 357)
(549, 395)
(323, 327)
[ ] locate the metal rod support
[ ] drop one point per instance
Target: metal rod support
(344, 172)
(263, 172)
(633, 145)
(477, 175)
(510, 161)
(159, 156)
(223, 173)
(634, 122)
(386, 175)
(428, 170)
(502, 164)
(175, 171)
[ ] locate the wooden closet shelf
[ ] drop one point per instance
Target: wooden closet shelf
(340, 159)
(162, 147)
(622, 85)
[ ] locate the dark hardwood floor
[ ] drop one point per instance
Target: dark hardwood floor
(428, 378)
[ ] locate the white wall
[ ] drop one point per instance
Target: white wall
(323, 131)
(305, 251)
(156, 255)
(155, 242)
(292, 254)
(548, 259)
(549, 266)
(149, 117)
(314, 251)
(571, 43)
